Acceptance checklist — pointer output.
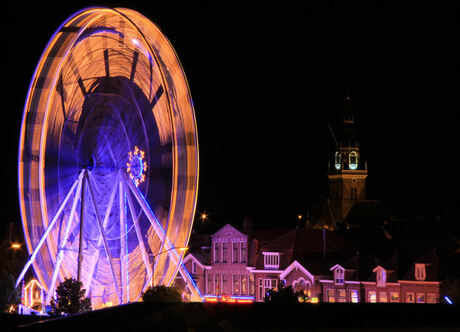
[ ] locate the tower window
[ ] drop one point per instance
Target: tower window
(353, 160)
(338, 160)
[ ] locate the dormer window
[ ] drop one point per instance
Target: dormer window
(353, 160)
(339, 276)
(420, 272)
(271, 260)
(381, 277)
(338, 160)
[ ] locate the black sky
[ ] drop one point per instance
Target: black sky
(267, 76)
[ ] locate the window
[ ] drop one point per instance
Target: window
(216, 252)
(251, 284)
(193, 267)
(420, 272)
(353, 160)
(420, 297)
(431, 298)
(217, 284)
(224, 252)
(243, 252)
(224, 284)
(261, 289)
(271, 260)
(372, 297)
(339, 276)
(381, 277)
(236, 284)
(270, 284)
(234, 252)
(383, 297)
(338, 160)
(330, 295)
(341, 295)
(394, 297)
(244, 284)
(209, 285)
(354, 296)
(410, 298)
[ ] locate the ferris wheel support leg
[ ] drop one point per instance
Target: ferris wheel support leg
(47, 232)
(123, 270)
(60, 255)
(163, 237)
(95, 257)
(101, 229)
(139, 237)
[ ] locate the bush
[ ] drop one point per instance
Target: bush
(70, 298)
(162, 294)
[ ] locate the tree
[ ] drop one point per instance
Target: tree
(282, 295)
(70, 298)
(8, 293)
(162, 294)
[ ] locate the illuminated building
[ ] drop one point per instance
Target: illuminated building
(234, 267)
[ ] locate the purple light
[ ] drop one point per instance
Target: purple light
(448, 300)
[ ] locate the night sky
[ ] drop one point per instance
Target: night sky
(266, 77)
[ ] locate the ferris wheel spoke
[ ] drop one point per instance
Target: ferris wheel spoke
(47, 231)
(139, 236)
(60, 254)
(104, 242)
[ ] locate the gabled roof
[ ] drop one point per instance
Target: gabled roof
(226, 229)
(296, 266)
(200, 258)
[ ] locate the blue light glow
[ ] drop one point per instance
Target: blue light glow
(448, 300)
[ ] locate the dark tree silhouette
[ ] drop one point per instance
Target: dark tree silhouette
(162, 294)
(70, 298)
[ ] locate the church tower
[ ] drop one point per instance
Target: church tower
(348, 172)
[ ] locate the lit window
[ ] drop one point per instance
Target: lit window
(420, 272)
(353, 160)
(338, 161)
(224, 284)
(270, 284)
(431, 298)
(236, 284)
(381, 277)
(271, 260)
(244, 284)
(339, 276)
(341, 295)
(330, 295)
(410, 298)
(217, 284)
(354, 296)
(372, 297)
(420, 297)
(383, 298)
(394, 297)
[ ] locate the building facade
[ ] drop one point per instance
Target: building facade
(235, 267)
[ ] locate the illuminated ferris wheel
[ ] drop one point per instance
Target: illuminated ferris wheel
(108, 160)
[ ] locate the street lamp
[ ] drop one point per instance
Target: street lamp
(15, 245)
(154, 256)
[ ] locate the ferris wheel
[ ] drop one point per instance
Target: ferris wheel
(108, 159)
